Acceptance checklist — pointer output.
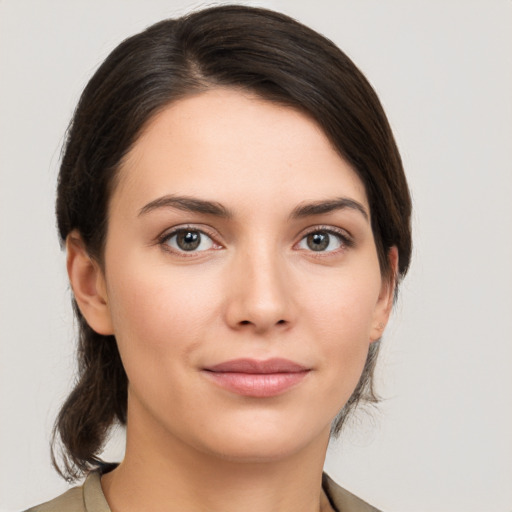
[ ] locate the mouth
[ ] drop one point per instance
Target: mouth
(259, 379)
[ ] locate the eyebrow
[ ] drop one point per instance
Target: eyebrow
(188, 204)
(191, 204)
(328, 206)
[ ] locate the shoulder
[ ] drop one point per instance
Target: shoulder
(343, 500)
(84, 498)
(70, 501)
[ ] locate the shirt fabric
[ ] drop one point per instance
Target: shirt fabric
(89, 497)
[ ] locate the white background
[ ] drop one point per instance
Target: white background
(442, 439)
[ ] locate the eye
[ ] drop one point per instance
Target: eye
(189, 240)
(323, 241)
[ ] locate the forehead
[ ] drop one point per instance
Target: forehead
(233, 146)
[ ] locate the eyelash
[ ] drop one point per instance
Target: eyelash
(344, 238)
(346, 241)
(163, 240)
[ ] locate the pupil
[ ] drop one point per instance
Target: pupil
(188, 240)
(318, 241)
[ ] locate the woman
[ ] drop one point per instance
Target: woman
(236, 220)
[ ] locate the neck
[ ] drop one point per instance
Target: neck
(171, 476)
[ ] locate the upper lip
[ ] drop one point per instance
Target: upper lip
(254, 366)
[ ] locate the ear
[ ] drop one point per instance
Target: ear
(88, 285)
(386, 296)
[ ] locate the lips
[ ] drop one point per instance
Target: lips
(260, 379)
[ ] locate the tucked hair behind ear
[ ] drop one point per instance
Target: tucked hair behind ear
(240, 47)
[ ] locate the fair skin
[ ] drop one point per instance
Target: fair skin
(256, 277)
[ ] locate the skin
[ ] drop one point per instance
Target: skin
(253, 289)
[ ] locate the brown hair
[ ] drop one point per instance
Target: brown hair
(254, 49)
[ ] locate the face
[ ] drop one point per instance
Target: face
(241, 278)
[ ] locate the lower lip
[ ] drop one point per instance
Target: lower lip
(258, 385)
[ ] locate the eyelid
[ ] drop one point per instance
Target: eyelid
(327, 227)
(343, 234)
(346, 238)
(170, 232)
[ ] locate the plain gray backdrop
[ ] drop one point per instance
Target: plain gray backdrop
(442, 438)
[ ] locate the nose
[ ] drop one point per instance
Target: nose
(260, 297)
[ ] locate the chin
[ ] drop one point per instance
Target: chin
(264, 442)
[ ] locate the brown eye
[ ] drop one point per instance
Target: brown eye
(322, 241)
(189, 240)
(318, 241)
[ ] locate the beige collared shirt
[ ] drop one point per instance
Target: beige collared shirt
(89, 497)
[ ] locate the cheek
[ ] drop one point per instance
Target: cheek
(344, 304)
(340, 319)
(158, 314)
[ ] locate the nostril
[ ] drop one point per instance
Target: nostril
(248, 322)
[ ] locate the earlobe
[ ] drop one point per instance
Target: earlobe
(88, 285)
(386, 297)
